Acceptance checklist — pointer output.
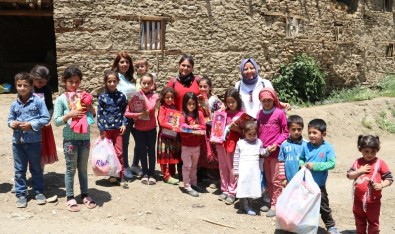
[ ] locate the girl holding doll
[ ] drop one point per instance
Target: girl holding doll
(168, 148)
(191, 118)
(111, 120)
(226, 150)
(145, 130)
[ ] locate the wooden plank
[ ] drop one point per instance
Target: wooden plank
(33, 13)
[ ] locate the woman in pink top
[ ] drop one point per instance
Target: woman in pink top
(273, 131)
(145, 125)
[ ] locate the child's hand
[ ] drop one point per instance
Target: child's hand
(76, 114)
(271, 148)
(144, 114)
(284, 183)
(122, 130)
(91, 109)
(102, 134)
(309, 165)
(15, 124)
(364, 169)
(377, 186)
(25, 126)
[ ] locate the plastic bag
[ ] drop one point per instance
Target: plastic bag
(104, 160)
(298, 207)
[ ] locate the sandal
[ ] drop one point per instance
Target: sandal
(89, 203)
(144, 180)
(72, 206)
(151, 181)
(172, 181)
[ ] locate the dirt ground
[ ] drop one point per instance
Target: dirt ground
(164, 208)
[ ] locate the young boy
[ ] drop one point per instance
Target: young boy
(319, 156)
(291, 149)
(28, 114)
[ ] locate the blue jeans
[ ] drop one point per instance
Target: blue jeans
(145, 144)
(24, 154)
(76, 154)
(125, 144)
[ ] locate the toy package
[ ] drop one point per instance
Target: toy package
(218, 127)
(173, 118)
(137, 103)
(243, 119)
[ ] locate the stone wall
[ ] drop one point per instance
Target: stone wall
(220, 33)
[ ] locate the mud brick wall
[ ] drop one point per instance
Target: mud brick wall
(350, 45)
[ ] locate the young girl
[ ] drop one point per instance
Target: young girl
(75, 145)
(145, 135)
(168, 150)
(141, 66)
(110, 118)
(272, 132)
(190, 143)
(246, 167)
(371, 175)
(210, 100)
(40, 75)
(226, 150)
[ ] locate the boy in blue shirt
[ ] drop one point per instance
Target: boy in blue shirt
(319, 156)
(28, 114)
(291, 149)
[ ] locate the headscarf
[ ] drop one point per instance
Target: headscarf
(269, 93)
(244, 79)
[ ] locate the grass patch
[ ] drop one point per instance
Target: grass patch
(384, 123)
(387, 86)
(351, 95)
(366, 123)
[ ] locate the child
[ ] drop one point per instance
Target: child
(190, 144)
(28, 115)
(319, 156)
(370, 175)
(272, 132)
(210, 100)
(75, 145)
(40, 75)
(246, 167)
(168, 150)
(110, 118)
(226, 150)
(142, 67)
(145, 135)
(290, 150)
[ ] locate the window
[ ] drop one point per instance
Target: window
(338, 31)
(387, 5)
(292, 27)
(152, 34)
(390, 50)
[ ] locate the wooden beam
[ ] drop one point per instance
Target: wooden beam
(34, 13)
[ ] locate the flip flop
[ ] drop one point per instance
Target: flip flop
(72, 205)
(89, 203)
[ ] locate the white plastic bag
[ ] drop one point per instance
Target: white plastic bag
(298, 207)
(104, 159)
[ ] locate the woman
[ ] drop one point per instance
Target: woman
(250, 85)
(123, 64)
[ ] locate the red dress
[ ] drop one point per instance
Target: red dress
(168, 150)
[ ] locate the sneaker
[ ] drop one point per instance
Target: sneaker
(127, 173)
(172, 181)
(124, 183)
(265, 208)
(192, 192)
(21, 202)
(271, 213)
(230, 200)
(222, 197)
(40, 199)
(198, 189)
(333, 230)
(136, 170)
(251, 212)
(144, 180)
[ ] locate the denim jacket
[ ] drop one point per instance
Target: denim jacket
(33, 111)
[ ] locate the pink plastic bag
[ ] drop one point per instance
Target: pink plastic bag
(298, 207)
(104, 160)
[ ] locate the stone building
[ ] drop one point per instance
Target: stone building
(352, 39)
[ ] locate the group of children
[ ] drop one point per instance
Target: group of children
(272, 145)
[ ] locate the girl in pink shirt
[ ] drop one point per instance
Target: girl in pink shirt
(273, 131)
(192, 118)
(145, 136)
